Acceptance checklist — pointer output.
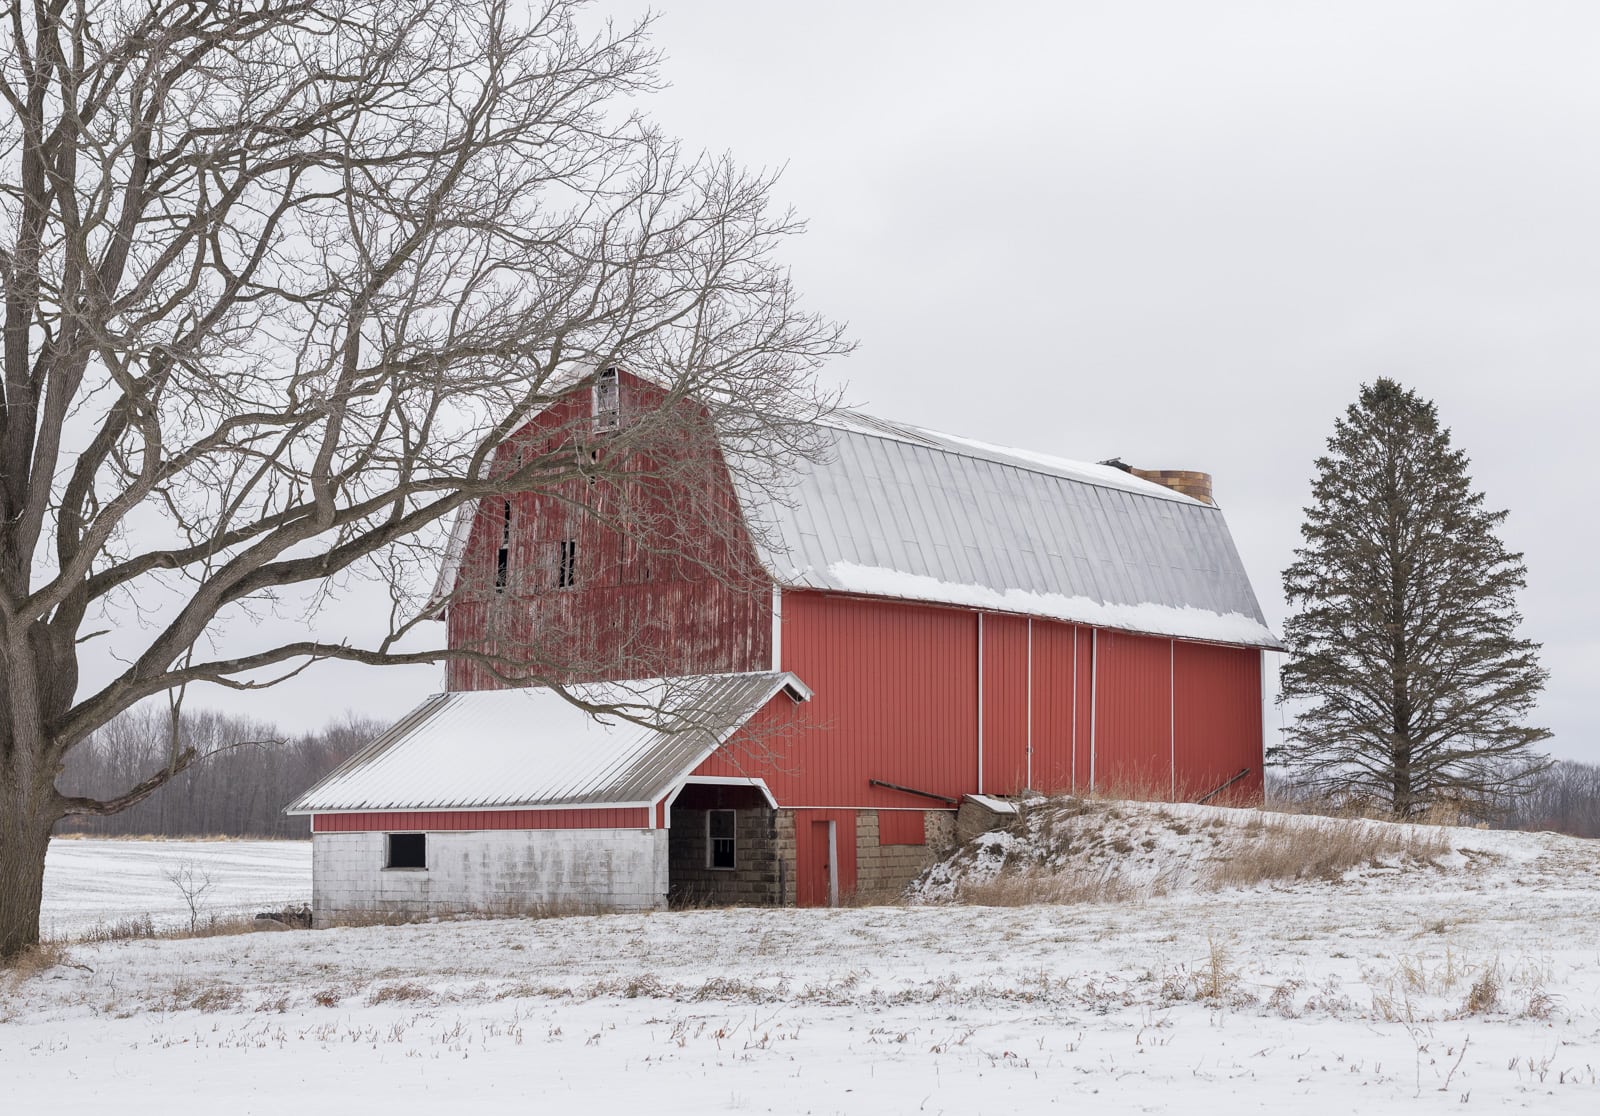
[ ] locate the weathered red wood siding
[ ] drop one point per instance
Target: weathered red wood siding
(462, 820)
(665, 579)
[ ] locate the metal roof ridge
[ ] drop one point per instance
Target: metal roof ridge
(973, 449)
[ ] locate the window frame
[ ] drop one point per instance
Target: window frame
(732, 840)
(388, 853)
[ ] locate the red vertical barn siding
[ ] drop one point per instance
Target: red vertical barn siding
(665, 579)
(1005, 704)
(1218, 696)
(1133, 715)
(902, 827)
(896, 699)
(811, 855)
(1083, 719)
(1053, 701)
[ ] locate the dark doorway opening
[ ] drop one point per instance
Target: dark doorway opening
(724, 848)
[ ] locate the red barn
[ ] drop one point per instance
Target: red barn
(964, 619)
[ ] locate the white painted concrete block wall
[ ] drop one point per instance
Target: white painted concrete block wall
(488, 870)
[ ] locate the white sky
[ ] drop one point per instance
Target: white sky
(1184, 233)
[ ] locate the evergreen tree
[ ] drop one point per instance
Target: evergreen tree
(1404, 651)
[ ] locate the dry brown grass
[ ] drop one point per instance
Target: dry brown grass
(399, 992)
(1034, 886)
(142, 927)
(1352, 809)
(1484, 995)
(1325, 850)
(32, 961)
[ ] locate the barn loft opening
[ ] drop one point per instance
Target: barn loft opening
(567, 570)
(502, 561)
(406, 850)
(606, 401)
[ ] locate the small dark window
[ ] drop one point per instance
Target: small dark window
(407, 850)
(607, 401)
(720, 826)
(502, 561)
(567, 572)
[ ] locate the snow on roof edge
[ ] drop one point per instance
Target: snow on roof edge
(1174, 622)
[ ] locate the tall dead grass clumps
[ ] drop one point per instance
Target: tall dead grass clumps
(1323, 849)
(36, 959)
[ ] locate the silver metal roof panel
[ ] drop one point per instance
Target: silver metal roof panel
(512, 749)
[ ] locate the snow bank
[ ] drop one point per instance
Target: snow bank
(1069, 849)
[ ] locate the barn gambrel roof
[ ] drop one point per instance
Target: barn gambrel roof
(889, 510)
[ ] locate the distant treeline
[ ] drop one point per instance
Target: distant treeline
(248, 773)
(1563, 798)
(251, 771)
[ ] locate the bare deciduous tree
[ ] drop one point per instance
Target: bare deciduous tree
(278, 277)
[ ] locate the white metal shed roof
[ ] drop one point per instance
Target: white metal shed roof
(516, 749)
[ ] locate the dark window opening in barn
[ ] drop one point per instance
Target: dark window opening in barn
(502, 561)
(567, 572)
(407, 850)
(719, 838)
(607, 401)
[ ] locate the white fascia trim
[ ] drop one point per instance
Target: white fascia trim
(300, 811)
(883, 809)
(777, 626)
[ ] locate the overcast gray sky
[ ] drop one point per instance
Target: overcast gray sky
(1184, 233)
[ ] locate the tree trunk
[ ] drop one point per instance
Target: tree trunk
(37, 684)
(1404, 800)
(28, 811)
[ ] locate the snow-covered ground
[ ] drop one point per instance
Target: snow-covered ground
(91, 882)
(1403, 987)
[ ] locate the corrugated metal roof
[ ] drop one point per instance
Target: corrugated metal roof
(534, 747)
(891, 510)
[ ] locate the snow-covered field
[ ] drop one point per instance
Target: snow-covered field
(1409, 988)
(90, 881)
